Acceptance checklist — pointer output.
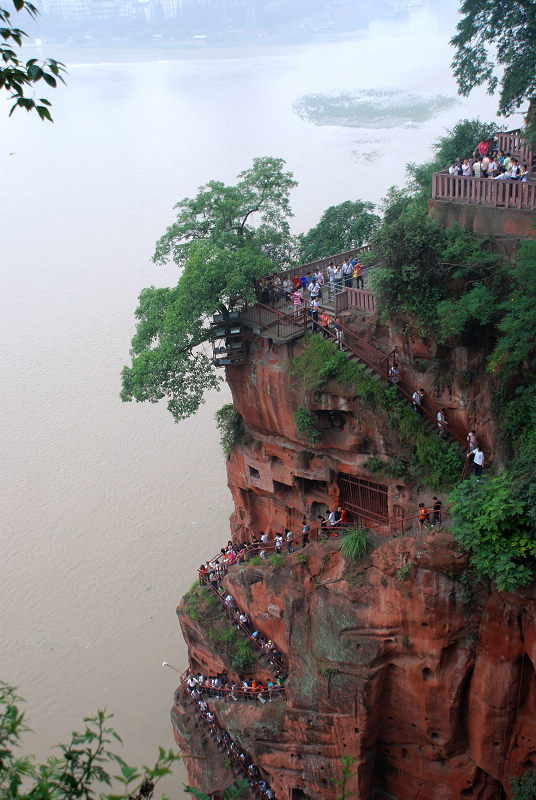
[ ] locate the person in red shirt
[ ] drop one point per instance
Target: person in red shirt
(344, 518)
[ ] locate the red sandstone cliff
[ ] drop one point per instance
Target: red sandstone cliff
(424, 676)
(427, 681)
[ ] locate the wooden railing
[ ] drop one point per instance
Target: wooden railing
(484, 191)
(251, 693)
(354, 298)
(233, 612)
(323, 263)
(512, 142)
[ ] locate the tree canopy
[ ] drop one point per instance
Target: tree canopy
(491, 35)
(222, 240)
(342, 227)
(17, 76)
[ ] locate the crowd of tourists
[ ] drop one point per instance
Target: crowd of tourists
(313, 286)
(239, 758)
(488, 161)
(223, 688)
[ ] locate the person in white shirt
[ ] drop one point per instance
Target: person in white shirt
(453, 169)
(467, 169)
(478, 460)
(331, 276)
(417, 398)
(441, 422)
(315, 305)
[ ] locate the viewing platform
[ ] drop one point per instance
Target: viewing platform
(503, 208)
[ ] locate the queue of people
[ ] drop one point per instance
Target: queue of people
(210, 576)
(222, 687)
(240, 760)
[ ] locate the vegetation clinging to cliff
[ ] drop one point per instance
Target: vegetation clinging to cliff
(426, 459)
(229, 424)
(490, 522)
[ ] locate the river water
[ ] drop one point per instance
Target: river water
(108, 508)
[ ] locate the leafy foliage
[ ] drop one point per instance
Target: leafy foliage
(403, 573)
(81, 765)
(461, 140)
(518, 326)
(491, 35)
(347, 763)
(524, 786)
(277, 560)
(341, 227)
(223, 240)
(235, 791)
(229, 423)
(411, 277)
(490, 522)
(244, 657)
(17, 77)
(307, 425)
(255, 211)
(355, 544)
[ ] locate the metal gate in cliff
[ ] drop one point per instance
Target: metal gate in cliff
(364, 499)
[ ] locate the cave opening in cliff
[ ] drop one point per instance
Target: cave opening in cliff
(364, 499)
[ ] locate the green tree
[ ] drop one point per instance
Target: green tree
(17, 76)
(497, 37)
(222, 240)
(410, 279)
(461, 140)
(516, 346)
(341, 227)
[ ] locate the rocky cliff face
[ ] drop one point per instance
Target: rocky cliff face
(424, 676)
(403, 660)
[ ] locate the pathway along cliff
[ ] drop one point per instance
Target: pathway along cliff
(402, 659)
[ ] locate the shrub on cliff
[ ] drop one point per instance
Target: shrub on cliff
(355, 544)
(307, 425)
(229, 424)
(490, 521)
(524, 786)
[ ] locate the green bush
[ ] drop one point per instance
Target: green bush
(244, 658)
(393, 468)
(524, 786)
(256, 561)
(277, 560)
(489, 521)
(301, 558)
(355, 544)
(403, 573)
(229, 424)
(307, 425)
(225, 636)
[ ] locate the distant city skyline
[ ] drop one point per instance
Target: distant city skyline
(227, 20)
